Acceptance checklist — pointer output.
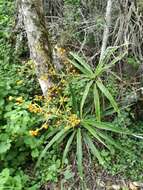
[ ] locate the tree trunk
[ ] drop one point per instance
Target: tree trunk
(107, 28)
(38, 40)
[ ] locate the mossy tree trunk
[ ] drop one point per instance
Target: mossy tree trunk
(38, 40)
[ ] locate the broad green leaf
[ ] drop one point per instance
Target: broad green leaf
(53, 140)
(107, 94)
(97, 103)
(82, 62)
(79, 153)
(87, 88)
(67, 147)
(4, 177)
(5, 146)
(93, 149)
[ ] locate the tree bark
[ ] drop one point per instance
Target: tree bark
(107, 28)
(38, 40)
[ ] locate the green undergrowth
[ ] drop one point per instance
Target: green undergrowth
(41, 138)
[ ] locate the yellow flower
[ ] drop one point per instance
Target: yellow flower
(10, 98)
(63, 99)
(19, 100)
(73, 120)
(52, 71)
(38, 97)
(45, 126)
(58, 123)
(63, 81)
(19, 82)
(34, 132)
(65, 62)
(33, 108)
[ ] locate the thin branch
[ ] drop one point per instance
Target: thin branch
(107, 27)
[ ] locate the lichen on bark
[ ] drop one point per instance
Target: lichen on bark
(38, 40)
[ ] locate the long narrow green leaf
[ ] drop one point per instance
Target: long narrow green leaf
(107, 94)
(104, 62)
(74, 100)
(99, 69)
(82, 62)
(110, 140)
(93, 149)
(82, 69)
(87, 88)
(79, 153)
(109, 51)
(107, 126)
(51, 133)
(60, 140)
(95, 134)
(53, 140)
(97, 103)
(67, 147)
(114, 61)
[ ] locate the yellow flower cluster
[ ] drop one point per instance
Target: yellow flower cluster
(36, 132)
(19, 100)
(61, 51)
(63, 82)
(52, 71)
(63, 99)
(52, 91)
(38, 98)
(34, 108)
(10, 98)
(73, 120)
(45, 126)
